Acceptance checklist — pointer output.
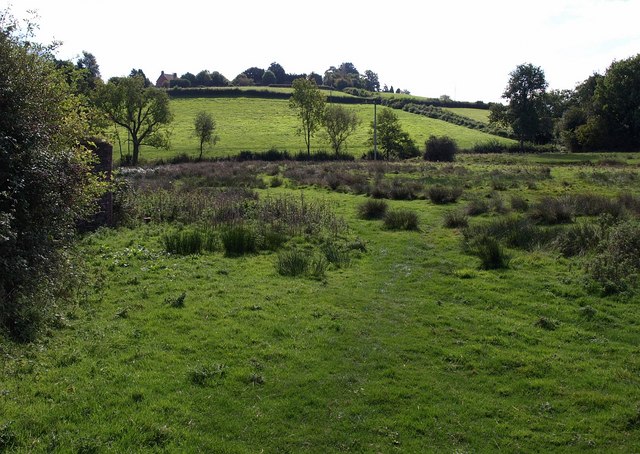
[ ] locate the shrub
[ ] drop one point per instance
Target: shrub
(616, 267)
(45, 181)
(238, 240)
(372, 209)
(441, 195)
(401, 220)
(455, 219)
(442, 149)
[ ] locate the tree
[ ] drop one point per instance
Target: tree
(45, 183)
(309, 103)
(255, 73)
(268, 78)
(339, 123)
(242, 80)
(218, 80)
(526, 111)
(617, 103)
(143, 112)
(391, 138)
(190, 77)
(88, 65)
(204, 128)
(371, 81)
(140, 73)
(279, 72)
(203, 78)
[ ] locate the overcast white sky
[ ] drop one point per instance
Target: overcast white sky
(461, 48)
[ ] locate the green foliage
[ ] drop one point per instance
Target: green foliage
(401, 219)
(440, 149)
(394, 142)
(309, 103)
(526, 112)
(45, 183)
(186, 242)
(142, 111)
(455, 219)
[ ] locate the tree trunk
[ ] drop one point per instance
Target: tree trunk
(136, 153)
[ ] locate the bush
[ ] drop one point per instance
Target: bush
(186, 242)
(440, 149)
(372, 209)
(45, 183)
(401, 220)
(441, 195)
(616, 267)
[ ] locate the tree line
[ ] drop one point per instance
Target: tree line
(344, 76)
(601, 114)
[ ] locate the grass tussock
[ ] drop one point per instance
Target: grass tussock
(401, 219)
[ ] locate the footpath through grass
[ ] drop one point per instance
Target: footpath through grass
(410, 347)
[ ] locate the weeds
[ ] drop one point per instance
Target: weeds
(203, 375)
(177, 302)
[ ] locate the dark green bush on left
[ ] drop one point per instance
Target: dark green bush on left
(45, 186)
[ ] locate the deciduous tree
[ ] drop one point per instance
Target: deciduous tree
(339, 123)
(308, 102)
(204, 128)
(143, 112)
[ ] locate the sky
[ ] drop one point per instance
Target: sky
(461, 48)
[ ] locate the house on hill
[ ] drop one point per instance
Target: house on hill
(165, 79)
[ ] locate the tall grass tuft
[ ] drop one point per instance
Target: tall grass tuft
(238, 239)
(490, 252)
(455, 219)
(441, 195)
(292, 262)
(372, 209)
(401, 220)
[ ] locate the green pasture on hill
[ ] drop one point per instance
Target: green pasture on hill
(257, 124)
(481, 115)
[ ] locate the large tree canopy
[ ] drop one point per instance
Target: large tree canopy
(143, 112)
(526, 110)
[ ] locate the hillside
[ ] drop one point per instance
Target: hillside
(259, 124)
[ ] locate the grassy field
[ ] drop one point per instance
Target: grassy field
(261, 124)
(403, 345)
(475, 114)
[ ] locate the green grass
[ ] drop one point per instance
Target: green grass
(411, 348)
(258, 124)
(475, 114)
